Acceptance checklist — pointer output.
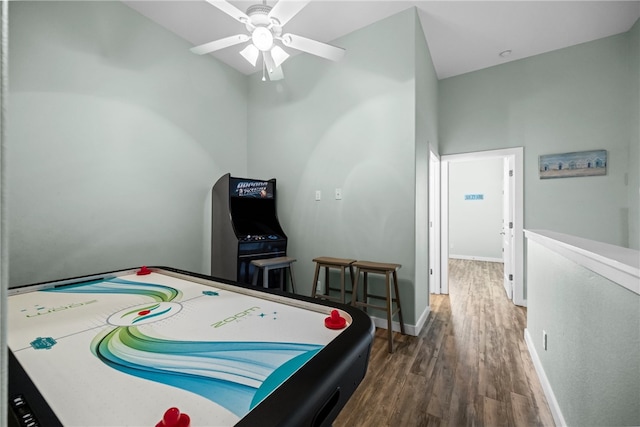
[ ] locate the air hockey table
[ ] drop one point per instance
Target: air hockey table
(121, 348)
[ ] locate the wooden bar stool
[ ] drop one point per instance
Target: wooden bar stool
(388, 270)
(327, 263)
(277, 263)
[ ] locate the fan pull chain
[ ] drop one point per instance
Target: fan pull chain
(264, 67)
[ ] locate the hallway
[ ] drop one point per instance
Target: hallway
(469, 366)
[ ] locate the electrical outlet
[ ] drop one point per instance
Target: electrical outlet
(318, 195)
(544, 340)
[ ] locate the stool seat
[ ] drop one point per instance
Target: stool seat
(340, 262)
(267, 264)
(281, 261)
(376, 266)
(388, 269)
(328, 263)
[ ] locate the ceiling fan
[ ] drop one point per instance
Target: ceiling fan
(264, 24)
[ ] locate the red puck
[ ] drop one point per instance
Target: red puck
(143, 271)
(173, 418)
(335, 321)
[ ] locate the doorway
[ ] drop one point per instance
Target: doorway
(512, 235)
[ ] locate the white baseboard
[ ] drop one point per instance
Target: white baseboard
(476, 258)
(422, 320)
(544, 381)
(413, 330)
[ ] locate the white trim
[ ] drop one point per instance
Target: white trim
(480, 155)
(444, 226)
(420, 323)
(476, 258)
(518, 219)
(544, 381)
(435, 283)
(413, 330)
(618, 264)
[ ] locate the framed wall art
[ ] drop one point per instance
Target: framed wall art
(566, 165)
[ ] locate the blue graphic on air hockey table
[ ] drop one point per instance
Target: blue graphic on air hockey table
(236, 375)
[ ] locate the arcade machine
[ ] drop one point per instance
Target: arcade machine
(244, 227)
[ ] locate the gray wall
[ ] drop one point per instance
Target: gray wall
(349, 125)
(118, 122)
(593, 337)
(573, 99)
(426, 134)
(475, 225)
(116, 135)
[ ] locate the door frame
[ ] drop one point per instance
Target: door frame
(434, 222)
(517, 202)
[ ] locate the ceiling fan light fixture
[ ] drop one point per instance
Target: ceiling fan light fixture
(250, 53)
(263, 25)
(262, 38)
(279, 55)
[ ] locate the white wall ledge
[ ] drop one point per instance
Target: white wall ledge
(618, 264)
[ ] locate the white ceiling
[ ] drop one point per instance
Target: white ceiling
(463, 36)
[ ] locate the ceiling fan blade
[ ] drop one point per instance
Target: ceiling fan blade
(284, 10)
(220, 44)
(313, 47)
(276, 74)
(268, 61)
(230, 10)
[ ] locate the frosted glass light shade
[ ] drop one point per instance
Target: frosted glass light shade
(279, 55)
(250, 53)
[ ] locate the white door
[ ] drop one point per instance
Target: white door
(508, 247)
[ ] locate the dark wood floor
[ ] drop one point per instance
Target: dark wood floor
(469, 365)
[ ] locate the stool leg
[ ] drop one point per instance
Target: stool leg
(314, 286)
(395, 284)
(342, 284)
(365, 290)
(352, 278)
(389, 312)
(256, 271)
(354, 293)
(265, 277)
(293, 281)
(326, 280)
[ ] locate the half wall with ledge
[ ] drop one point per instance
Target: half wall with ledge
(583, 327)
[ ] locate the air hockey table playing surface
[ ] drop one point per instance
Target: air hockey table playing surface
(119, 348)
